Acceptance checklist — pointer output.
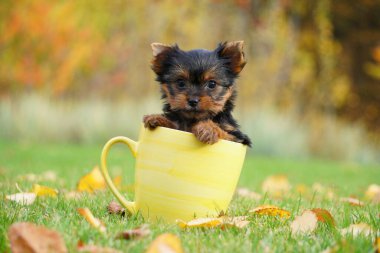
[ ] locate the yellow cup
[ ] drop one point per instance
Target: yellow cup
(178, 177)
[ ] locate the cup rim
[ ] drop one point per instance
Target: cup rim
(191, 134)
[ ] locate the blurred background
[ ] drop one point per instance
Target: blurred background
(79, 71)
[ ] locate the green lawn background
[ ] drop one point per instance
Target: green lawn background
(71, 162)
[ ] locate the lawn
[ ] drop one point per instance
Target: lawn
(263, 234)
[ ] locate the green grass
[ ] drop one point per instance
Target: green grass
(264, 234)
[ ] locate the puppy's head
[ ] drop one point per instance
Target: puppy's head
(198, 83)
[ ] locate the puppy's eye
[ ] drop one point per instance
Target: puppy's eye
(211, 84)
(181, 83)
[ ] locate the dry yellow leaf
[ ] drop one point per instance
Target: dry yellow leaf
(377, 245)
(92, 181)
(200, 223)
(135, 233)
(357, 229)
(352, 201)
(305, 223)
(24, 198)
(323, 216)
(166, 243)
(276, 185)
(238, 221)
(246, 193)
(270, 210)
(96, 223)
(222, 222)
(41, 190)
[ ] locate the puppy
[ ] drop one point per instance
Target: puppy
(198, 89)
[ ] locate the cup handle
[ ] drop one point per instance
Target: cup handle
(131, 206)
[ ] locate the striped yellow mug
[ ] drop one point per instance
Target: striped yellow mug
(178, 177)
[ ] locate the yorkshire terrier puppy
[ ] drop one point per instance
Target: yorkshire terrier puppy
(198, 89)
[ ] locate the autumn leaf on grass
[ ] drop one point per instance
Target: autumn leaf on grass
(41, 190)
(28, 237)
(246, 193)
(92, 181)
(135, 233)
(373, 193)
(23, 198)
(308, 221)
(377, 245)
(305, 223)
(352, 201)
(165, 243)
(200, 223)
(357, 229)
(222, 222)
(115, 208)
(276, 185)
(323, 216)
(96, 223)
(237, 221)
(270, 210)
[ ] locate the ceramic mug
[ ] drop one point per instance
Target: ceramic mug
(178, 177)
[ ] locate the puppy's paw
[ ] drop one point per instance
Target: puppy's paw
(206, 132)
(155, 120)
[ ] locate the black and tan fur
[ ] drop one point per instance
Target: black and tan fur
(198, 89)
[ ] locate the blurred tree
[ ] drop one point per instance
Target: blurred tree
(313, 57)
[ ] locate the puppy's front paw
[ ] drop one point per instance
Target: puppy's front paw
(155, 120)
(206, 132)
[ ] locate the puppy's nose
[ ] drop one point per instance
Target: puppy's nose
(193, 102)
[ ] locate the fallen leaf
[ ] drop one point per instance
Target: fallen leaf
(200, 223)
(357, 229)
(40, 190)
(276, 185)
(373, 193)
(323, 216)
(377, 245)
(96, 223)
(270, 210)
(305, 223)
(222, 222)
(115, 208)
(92, 181)
(165, 243)
(28, 237)
(135, 233)
(237, 221)
(352, 201)
(24, 198)
(246, 193)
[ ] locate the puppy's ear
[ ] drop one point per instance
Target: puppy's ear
(160, 53)
(233, 52)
